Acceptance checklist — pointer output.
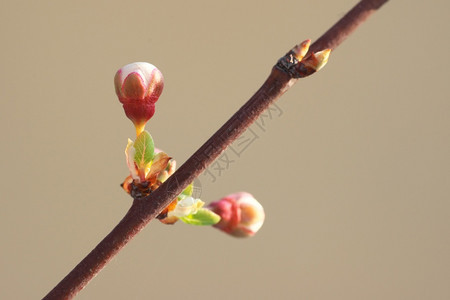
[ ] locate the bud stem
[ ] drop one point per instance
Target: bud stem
(139, 129)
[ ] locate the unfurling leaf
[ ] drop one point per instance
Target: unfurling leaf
(144, 147)
(129, 154)
(160, 162)
(188, 190)
(202, 217)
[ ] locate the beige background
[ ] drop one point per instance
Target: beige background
(354, 175)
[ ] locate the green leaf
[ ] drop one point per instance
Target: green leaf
(202, 217)
(188, 190)
(145, 148)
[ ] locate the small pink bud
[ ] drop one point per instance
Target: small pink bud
(241, 214)
(138, 86)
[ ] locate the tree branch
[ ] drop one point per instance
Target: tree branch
(146, 209)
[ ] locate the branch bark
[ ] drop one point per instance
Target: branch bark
(146, 209)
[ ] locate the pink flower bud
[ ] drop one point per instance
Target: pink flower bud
(138, 86)
(241, 214)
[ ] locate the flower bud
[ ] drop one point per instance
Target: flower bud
(241, 214)
(138, 86)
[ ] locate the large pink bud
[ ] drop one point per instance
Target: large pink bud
(138, 86)
(241, 214)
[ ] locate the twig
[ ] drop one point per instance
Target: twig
(144, 210)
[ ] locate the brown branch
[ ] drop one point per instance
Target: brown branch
(144, 210)
(346, 25)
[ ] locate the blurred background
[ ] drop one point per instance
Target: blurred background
(352, 166)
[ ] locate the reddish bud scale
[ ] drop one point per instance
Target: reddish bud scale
(139, 113)
(229, 213)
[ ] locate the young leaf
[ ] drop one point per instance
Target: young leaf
(202, 217)
(145, 148)
(188, 190)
